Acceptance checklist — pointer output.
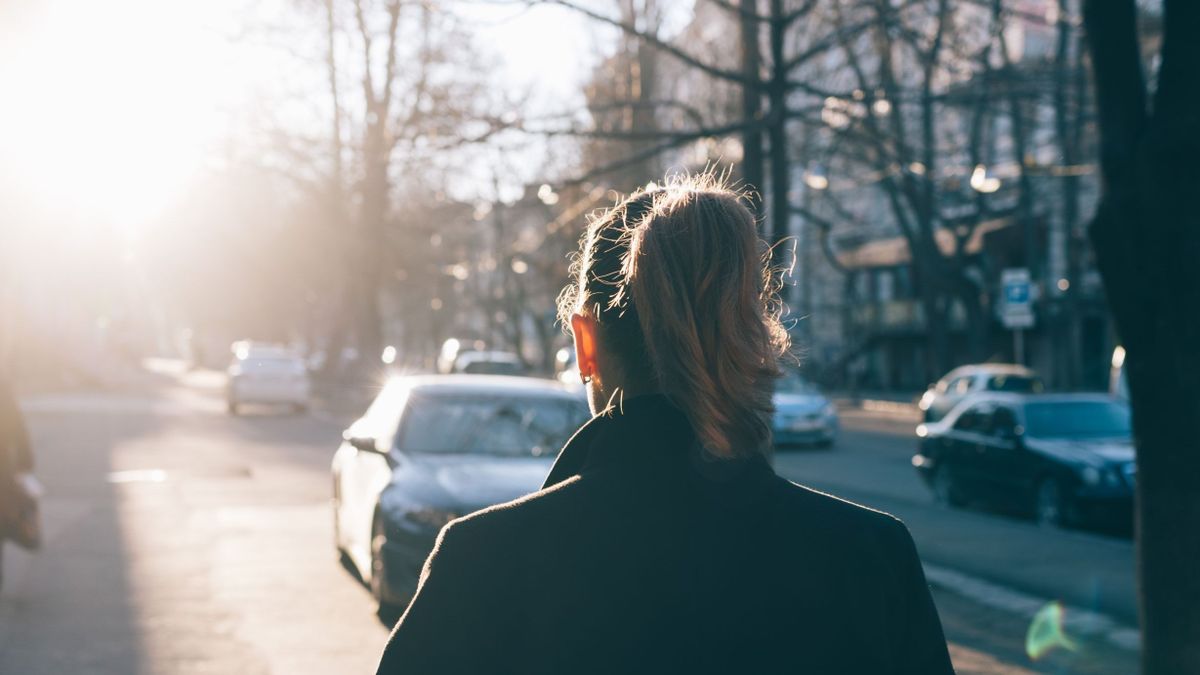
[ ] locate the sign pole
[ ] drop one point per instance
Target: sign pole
(1016, 311)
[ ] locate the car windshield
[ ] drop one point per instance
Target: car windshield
(794, 384)
(1023, 384)
(272, 364)
(1077, 419)
(512, 426)
(492, 368)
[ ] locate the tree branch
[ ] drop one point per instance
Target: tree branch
(365, 34)
(654, 41)
(653, 151)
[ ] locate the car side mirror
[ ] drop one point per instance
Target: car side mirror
(1010, 433)
(362, 443)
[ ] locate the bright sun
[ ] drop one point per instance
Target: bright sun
(112, 105)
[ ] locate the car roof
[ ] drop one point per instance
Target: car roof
(483, 384)
(267, 353)
(1019, 398)
(990, 369)
(473, 355)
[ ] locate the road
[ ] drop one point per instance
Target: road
(183, 540)
(1087, 570)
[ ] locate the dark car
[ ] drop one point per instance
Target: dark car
(431, 449)
(1065, 459)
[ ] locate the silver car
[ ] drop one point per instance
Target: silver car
(803, 415)
(958, 384)
(432, 448)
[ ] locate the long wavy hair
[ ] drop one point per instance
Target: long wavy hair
(681, 287)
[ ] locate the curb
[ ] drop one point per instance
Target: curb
(1076, 621)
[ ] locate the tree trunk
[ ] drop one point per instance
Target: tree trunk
(1146, 235)
(938, 332)
(372, 221)
(781, 180)
(752, 141)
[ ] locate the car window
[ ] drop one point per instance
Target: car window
(1004, 421)
(510, 426)
(271, 364)
(1017, 383)
(970, 420)
(492, 368)
(1078, 419)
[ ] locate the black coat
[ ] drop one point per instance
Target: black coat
(641, 557)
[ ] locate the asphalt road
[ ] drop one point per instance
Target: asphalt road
(873, 467)
(182, 540)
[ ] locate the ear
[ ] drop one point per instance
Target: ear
(583, 328)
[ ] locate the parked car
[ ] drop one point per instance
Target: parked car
(266, 374)
(942, 396)
(1065, 459)
(430, 449)
(803, 415)
(566, 369)
(488, 363)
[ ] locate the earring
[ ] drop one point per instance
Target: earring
(586, 379)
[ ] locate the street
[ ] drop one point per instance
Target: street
(183, 540)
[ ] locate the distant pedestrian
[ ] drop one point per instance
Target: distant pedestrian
(663, 541)
(18, 503)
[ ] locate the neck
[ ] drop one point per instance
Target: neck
(604, 392)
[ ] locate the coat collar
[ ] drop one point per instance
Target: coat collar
(646, 434)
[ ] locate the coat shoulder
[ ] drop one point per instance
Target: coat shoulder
(842, 520)
(508, 520)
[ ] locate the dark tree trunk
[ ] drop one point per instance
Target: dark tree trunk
(1146, 235)
(752, 140)
(1068, 121)
(781, 180)
(936, 328)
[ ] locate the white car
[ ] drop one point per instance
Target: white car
(942, 396)
(488, 363)
(267, 375)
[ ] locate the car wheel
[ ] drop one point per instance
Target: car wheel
(1051, 505)
(944, 488)
(825, 443)
(336, 503)
(388, 610)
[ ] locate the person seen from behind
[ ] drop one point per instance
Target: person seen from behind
(662, 540)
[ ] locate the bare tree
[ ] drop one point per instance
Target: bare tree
(777, 39)
(404, 93)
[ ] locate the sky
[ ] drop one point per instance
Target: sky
(113, 108)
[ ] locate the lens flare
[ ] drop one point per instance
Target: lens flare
(1046, 632)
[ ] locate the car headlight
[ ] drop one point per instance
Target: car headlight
(926, 400)
(402, 512)
(1112, 477)
(1091, 475)
(430, 518)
